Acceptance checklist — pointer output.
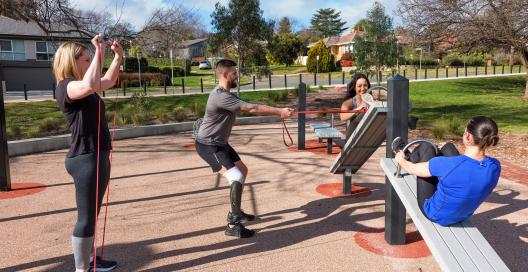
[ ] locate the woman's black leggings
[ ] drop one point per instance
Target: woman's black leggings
(426, 187)
(83, 169)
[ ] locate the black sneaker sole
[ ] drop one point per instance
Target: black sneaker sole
(246, 233)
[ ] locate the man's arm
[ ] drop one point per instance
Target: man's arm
(419, 169)
(263, 109)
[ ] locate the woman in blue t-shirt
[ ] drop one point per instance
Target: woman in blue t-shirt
(451, 186)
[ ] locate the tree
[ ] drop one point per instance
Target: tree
(239, 24)
(285, 26)
(360, 25)
(491, 23)
(326, 62)
(167, 27)
(285, 48)
(377, 48)
(328, 22)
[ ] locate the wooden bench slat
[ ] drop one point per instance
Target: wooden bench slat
(491, 256)
(368, 135)
(459, 247)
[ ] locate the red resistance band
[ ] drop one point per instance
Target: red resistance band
(331, 111)
(285, 130)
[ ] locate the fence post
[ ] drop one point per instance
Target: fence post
(5, 177)
(145, 87)
(457, 71)
(53, 89)
(520, 68)
(476, 70)
(301, 119)
(494, 68)
(315, 78)
(511, 69)
(465, 71)
(343, 78)
(25, 92)
(503, 69)
(436, 72)
(415, 74)
(425, 76)
(285, 82)
(183, 85)
(123, 85)
(486, 69)
(300, 78)
(447, 72)
(201, 85)
(165, 84)
(104, 94)
(269, 79)
(404, 72)
(392, 73)
(329, 78)
(397, 115)
(254, 87)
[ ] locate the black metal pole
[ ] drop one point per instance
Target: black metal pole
(503, 69)
(300, 78)
(285, 82)
(397, 116)
(165, 84)
(145, 87)
(343, 78)
(124, 87)
(201, 85)
(183, 85)
(25, 92)
(53, 88)
(254, 86)
(436, 72)
(315, 78)
(415, 74)
(425, 76)
(269, 80)
(520, 68)
(465, 71)
(301, 119)
(447, 72)
(457, 71)
(486, 69)
(329, 78)
(511, 69)
(404, 72)
(494, 68)
(5, 177)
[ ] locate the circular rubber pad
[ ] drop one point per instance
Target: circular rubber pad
(373, 240)
(22, 189)
(336, 190)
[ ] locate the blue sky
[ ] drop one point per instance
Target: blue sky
(137, 11)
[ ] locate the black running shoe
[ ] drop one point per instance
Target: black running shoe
(242, 217)
(238, 230)
(102, 265)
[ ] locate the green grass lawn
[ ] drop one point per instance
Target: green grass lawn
(499, 98)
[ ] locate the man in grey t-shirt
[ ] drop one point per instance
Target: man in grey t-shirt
(212, 141)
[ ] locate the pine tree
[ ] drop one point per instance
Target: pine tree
(328, 22)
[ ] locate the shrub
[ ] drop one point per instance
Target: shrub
(179, 114)
(131, 64)
(326, 59)
(198, 108)
(49, 124)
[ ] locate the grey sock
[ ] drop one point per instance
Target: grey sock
(82, 247)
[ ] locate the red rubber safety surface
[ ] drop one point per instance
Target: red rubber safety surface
(191, 146)
(373, 240)
(316, 148)
(336, 190)
(22, 189)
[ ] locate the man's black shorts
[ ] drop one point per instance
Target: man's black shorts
(217, 156)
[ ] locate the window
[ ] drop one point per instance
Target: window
(46, 50)
(12, 50)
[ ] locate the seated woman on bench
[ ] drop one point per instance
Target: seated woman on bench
(354, 97)
(450, 186)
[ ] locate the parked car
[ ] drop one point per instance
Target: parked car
(204, 65)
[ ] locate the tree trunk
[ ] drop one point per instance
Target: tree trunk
(239, 69)
(524, 54)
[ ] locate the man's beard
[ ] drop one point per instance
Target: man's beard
(233, 84)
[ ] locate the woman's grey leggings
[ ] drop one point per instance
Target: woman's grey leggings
(83, 169)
